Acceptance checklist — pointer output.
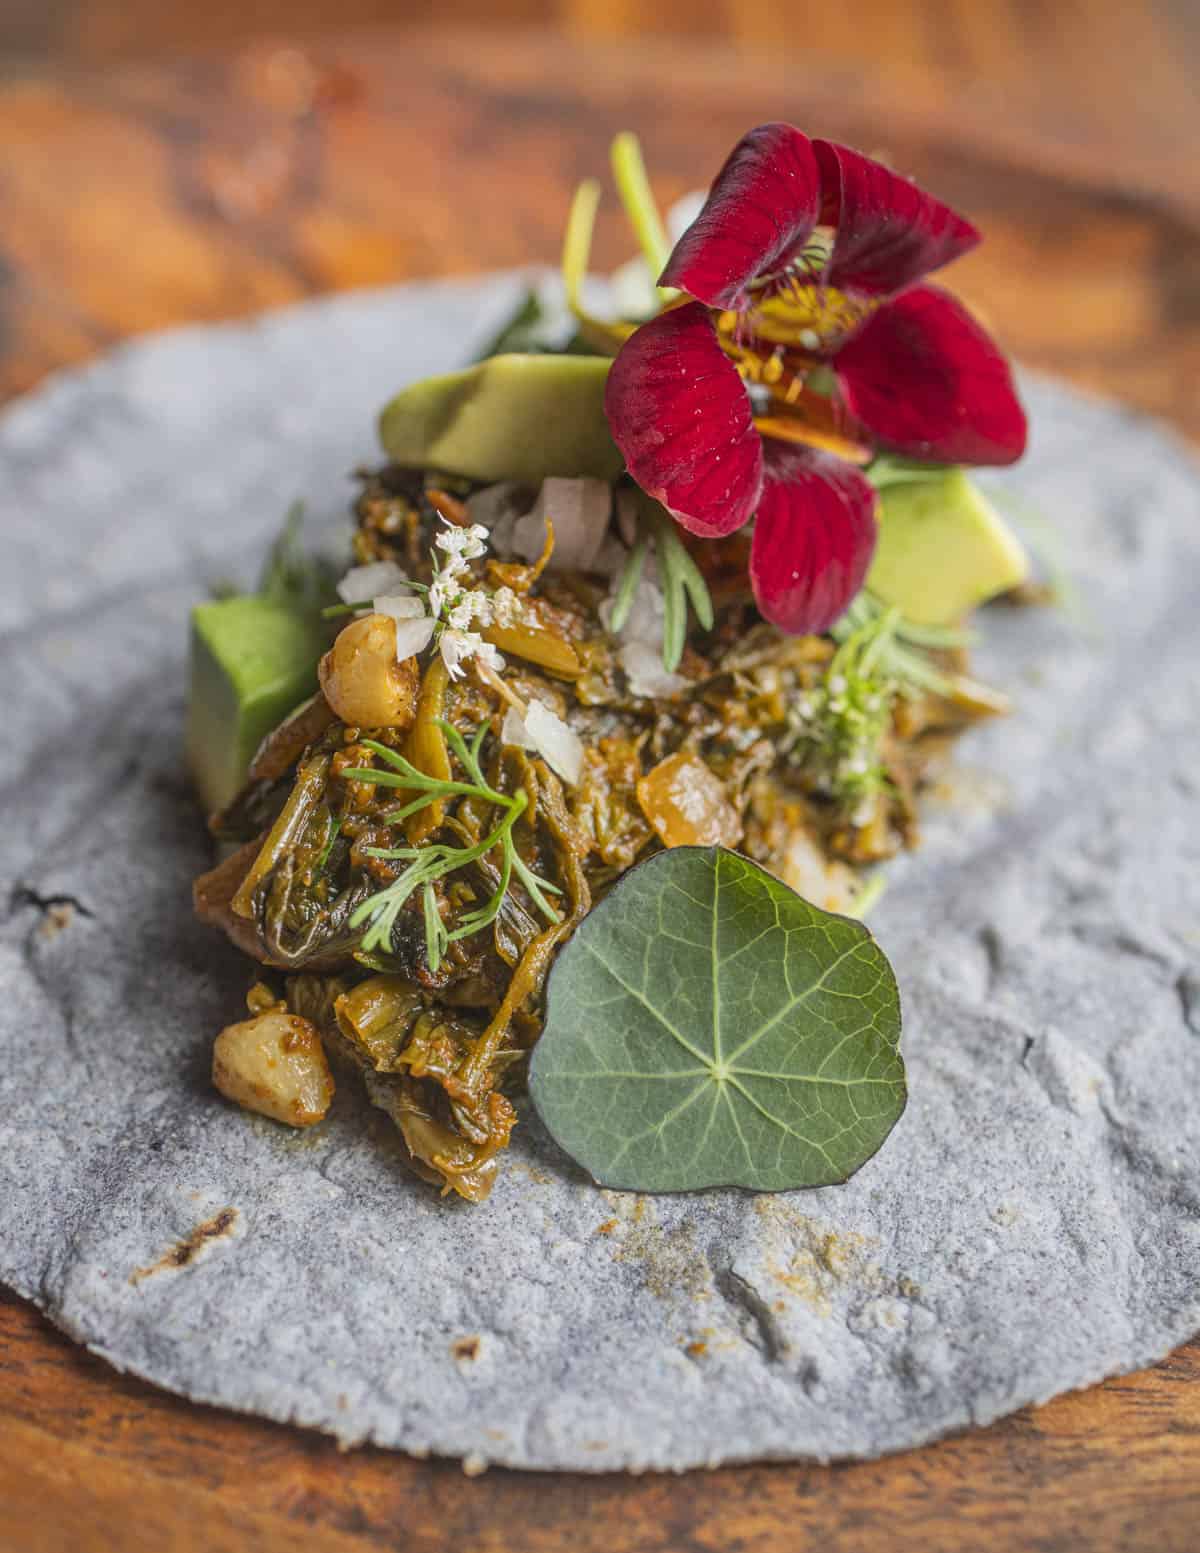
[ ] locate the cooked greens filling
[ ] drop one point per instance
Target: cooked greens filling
(418, 841)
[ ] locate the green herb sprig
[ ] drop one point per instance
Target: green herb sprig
(899, 653)
(839, 725)
(434, 861)
(680, 578)
(290, 575)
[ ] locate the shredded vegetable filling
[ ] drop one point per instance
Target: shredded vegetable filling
(417, 843)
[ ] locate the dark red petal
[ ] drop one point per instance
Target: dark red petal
(680, 414)
(927, 380)
(763, 203)
(814, 536)
(889, 232)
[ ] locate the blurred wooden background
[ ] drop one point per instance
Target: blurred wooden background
(1120, 71)
(1132, 46)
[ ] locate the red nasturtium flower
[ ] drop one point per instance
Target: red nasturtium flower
(809, 344)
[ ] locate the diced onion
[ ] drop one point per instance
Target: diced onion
(412, 637)
(505, 499)
(399, 606)
(644, 670)
(542, 730)
(640, 650)
(365, 582)
(512, 730)
(579, 510)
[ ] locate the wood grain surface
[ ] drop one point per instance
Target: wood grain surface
(144, 194)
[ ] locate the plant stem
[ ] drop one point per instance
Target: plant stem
(629, 170)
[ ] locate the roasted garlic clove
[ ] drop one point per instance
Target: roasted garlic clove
(363, 682)
(275, 1064)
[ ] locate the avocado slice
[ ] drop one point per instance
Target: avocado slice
(512, 417)
(253, 660)
(943, 548)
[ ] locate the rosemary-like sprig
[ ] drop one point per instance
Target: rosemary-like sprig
(627, 588)
(898, 647)
(679, 577)
(433, 861)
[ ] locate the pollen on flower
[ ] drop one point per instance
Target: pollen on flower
(468, 607)
(507, 608)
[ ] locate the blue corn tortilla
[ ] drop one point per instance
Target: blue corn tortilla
(1032, 1225)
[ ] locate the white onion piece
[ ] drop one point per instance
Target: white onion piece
(641, 637)
(512, 730)
(644, 669)
(498, 508)
(579, 510)
(647, 612)
(364, 582)
(505, 499)
(413, 636)
(611, 558)
(563, 749)
(399, 606)
(545, 732)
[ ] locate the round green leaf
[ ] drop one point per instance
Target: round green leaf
(706, 1026)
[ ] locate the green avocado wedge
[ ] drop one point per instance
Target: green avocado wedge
(513, 417)
(253, 660)
(943, 548)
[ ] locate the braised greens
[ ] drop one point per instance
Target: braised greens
(407, 887)
(706, 1026)
(435, 861)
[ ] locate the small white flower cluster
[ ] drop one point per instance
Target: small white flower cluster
(448, 610)
(458, 608)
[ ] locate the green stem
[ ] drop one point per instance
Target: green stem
(629, 170)
(630, 578)
(682, 583)
(868, 897)
(577, 246)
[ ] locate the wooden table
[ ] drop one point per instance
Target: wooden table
(136, 197)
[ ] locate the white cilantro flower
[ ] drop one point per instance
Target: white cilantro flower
(507, 608)
(447, 607)
(461, 544)
(489, 657)
(468, 607)
(456, 647)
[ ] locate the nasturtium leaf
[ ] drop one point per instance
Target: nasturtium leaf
(706, 1026)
